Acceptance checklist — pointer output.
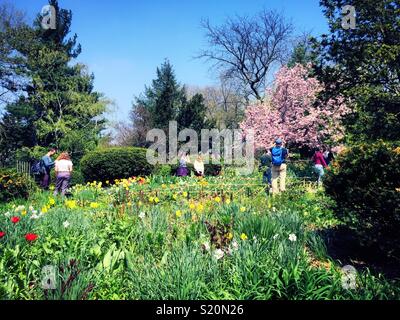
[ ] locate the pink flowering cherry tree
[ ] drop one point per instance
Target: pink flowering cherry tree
(291, 112)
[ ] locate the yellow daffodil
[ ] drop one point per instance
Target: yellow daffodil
(242, 209)
(227, 201)
(94, 205)
(199, 207)
(23, 212)
(185, 194)
(174, 196)
(178, 213)
(151, 199)
(71, 204)
(156, 200)
(140, 203)
(163, 186)
(203, 183)
(229, 236)
(192, 206)
(243, 236)
(217, 199)
(52, 201)
(44, 209)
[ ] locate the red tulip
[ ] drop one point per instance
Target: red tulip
(31, 237)
(15, 220)
(2, 234)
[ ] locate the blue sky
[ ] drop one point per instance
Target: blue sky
(123, 42)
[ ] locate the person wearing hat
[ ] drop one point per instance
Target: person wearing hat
(278, 157)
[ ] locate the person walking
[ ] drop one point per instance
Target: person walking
(319, 164)
(265, 166)
(47, 164)
(278, 170)
(63, 168)
(182, 170)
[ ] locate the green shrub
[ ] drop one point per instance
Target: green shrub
(115, 163)
(15, 185)
(365, 182)
(301, 169)
(162, 170)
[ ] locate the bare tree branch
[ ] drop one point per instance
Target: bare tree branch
(246, 48)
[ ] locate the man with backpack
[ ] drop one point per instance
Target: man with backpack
(278, 155)
(47, 163)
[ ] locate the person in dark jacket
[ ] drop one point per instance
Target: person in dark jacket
(265, 166)
(48, 163)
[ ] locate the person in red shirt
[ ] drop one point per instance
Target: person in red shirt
(319, 164)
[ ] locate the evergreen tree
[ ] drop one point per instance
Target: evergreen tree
(192, 114)
(363, 64)
(163, 98)
(302, 54)
(65, 111)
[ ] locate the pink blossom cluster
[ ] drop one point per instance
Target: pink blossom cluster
(291, 111)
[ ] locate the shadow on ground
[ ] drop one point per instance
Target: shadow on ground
(343, 245)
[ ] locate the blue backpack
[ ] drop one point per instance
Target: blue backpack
(277, 158)
(38, 168)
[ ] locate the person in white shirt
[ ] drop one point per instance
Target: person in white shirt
(199, 166)
(63, 168)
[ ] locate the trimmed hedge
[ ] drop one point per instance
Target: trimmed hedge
(15, 185)
(109, 164)
(365, 182)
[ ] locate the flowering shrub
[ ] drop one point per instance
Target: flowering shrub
(14, 185)
(292, 112)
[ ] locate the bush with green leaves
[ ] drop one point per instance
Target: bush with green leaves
(365, 182)
(15, 185)
(108, 164)
(162, 170)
